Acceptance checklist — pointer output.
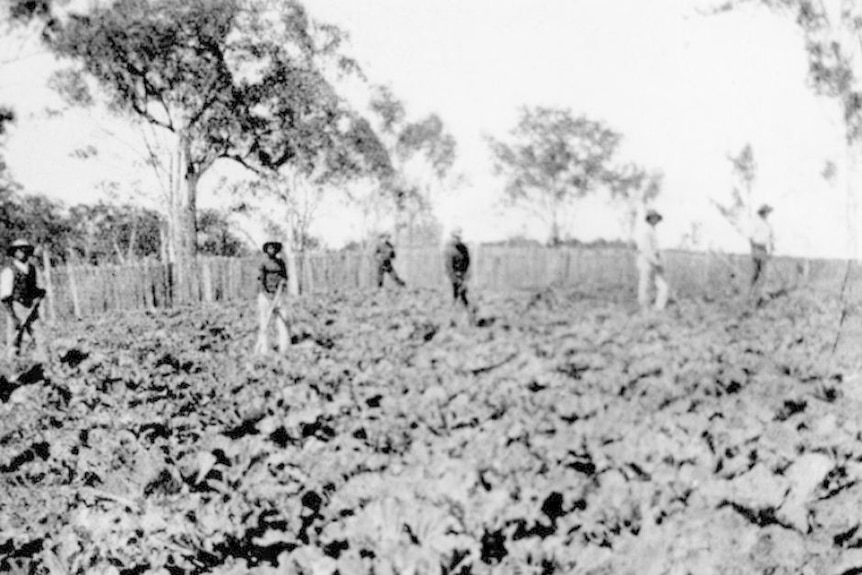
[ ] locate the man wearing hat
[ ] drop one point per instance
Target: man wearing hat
(384, 253)
(762, 246)
(21, 295)
(456, 258)
(271, 286)
(650, 267)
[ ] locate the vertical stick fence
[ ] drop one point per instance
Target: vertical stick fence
(77, 291)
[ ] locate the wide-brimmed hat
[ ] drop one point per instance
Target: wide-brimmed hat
(20, 244)
(764, 209)
(653, 215)
(276, 245)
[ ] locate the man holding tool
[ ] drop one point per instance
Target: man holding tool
(384, 253)
(21, 295)
(272, 284)
(456, 258)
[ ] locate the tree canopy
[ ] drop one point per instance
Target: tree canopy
(237, 80)
(419, 152)
(741, 208)
(833, 42)
(243, 80)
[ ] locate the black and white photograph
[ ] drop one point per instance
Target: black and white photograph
(430, 287)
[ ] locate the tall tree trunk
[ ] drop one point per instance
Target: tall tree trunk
(165, 241)
(290, 259)
(186, 246)
(120, 257)
(184, 216)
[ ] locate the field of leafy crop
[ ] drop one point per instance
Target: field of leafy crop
(567, 433)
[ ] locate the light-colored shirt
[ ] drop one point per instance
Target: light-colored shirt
(7, 278)
(647, 242)
(761, 233)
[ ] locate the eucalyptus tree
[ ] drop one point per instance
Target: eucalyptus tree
(552, 158)
(290, 198)
(741, 208)
(232, 80)
(420, 153)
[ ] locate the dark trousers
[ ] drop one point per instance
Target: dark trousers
(459, 291)
(759, 257)
(385, 267)
(459, 295)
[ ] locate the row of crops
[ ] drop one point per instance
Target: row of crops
(568, 433)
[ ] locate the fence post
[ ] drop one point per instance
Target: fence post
(167, 274)
(221, 287)
(307, 272)
(117, 280)
(49, 288)
(292, 264)
(235, 284)
(127, 286)
(107, 289)
(206, 280)
(146, 290)
(216, 278)
(363, 270)
(230, 289)
(157, 275)
(84, 294)
(73, 290)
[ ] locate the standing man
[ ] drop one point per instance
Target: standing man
(384, 253)
(456, 258)
(21, 295)
(762, 246)
(650, 267)
(271, 288)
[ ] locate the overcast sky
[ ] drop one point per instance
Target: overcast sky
(685, 88)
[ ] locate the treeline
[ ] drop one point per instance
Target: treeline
(104, 233)
(517, 242)
(525, 242)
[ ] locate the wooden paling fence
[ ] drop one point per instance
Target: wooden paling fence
(80, 291)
